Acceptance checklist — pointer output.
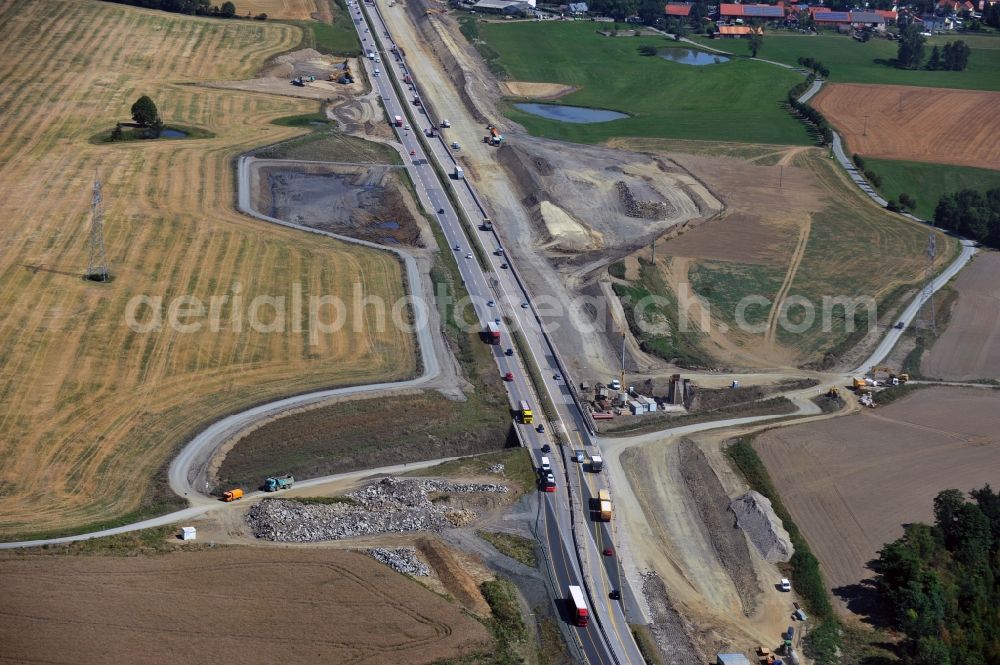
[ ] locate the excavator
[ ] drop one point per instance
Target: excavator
(891, 377)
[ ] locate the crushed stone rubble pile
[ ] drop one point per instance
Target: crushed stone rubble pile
(497, 468)
(755, 515)
(401, 559)
(655, 210)
(392, 505)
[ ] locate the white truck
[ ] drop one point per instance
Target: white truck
(596, 463)
(459, 173)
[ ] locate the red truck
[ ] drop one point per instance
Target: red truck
(578, 607)
(492, 333)
(398, 120)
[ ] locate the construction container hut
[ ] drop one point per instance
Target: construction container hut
(188, 533)
(731, 659)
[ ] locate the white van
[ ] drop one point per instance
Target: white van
(377, 72)
(546, 466)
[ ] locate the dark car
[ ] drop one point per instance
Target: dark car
(440, 211)
(615, 594)
(546, 448)
(509, 352)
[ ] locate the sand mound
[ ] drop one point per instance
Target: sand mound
(756, 517)
(536, 90)
(569, 233)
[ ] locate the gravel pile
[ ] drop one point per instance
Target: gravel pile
(401, 559)
(670, 631)
(756, 517)
(656, 210)
(392, 505)
(497, 468)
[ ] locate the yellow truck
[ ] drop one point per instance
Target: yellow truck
(233, 495)
(604, 502)
(527, 417)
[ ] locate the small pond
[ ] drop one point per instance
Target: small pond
(172, 134)
(687, 56)
(578, 114)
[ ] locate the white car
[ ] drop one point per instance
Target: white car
(469, 255)
(785, 584)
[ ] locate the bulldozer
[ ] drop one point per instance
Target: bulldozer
(890, 376)
(833, 392)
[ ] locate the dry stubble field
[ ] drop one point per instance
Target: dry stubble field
(88, 408)
(851, 483)
(304, 606)
(289, 9)
(969, 348)
(918, 124)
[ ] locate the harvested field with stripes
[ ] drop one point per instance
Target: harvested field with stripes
(916, 124)
(89, 407)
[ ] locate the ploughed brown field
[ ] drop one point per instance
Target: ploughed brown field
(970, 347)
(233, 605)
(851, 483)
(936, 125)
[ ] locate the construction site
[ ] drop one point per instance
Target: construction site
(556, 492)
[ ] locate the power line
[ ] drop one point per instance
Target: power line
(97, 266)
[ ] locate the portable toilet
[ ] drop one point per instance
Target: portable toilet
(188, 533)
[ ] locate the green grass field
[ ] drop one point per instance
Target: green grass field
(339, 38)
(927, 182)
(851, 61)
(733, 101)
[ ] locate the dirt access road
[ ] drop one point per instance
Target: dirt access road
(303, 606)
(851, 483)
(969, 348)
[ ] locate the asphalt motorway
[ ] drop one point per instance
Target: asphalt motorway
(609, 638)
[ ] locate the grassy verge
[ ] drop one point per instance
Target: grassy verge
(647, 647)
(469, 26)
(133, 543)
(130, 134)
(928, 182)
(518, 468)
(510, 634)
(851, 61)
(337, 38)
(552, 650)
(656, 327)
(661, 98)
(324, 144)
(822, 642)
(924, 338)
(516, 547)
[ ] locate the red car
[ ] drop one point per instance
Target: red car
(509, 376)
(412, 153)
(609, 551)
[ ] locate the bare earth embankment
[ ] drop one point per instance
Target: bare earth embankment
(969, 348)
(851, 483)
(303, 606)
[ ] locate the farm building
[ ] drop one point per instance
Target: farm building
(678, 9)
(831, 19)
(732, 12)
(508, 7)
(867, 20)
(578, 8)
